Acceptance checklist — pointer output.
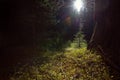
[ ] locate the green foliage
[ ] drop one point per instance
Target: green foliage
(54, 43)
(75, 52)
(77, 64)
(49, 38)
(79, 41)
(51, 7)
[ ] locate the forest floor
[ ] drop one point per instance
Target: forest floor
(70, 64)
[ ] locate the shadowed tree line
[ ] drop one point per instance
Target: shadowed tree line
(106, 34)
(28, 26)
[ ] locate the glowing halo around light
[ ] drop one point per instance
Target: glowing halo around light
(78, 5)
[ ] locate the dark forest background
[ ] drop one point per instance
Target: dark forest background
(28, 26)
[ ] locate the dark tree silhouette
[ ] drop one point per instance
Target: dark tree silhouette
(106, 33)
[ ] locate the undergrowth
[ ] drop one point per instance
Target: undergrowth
(73, 64)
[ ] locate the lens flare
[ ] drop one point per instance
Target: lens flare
(78, 4)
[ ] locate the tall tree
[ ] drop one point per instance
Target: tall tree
(106, 34)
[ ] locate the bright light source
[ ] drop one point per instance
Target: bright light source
(78, 4)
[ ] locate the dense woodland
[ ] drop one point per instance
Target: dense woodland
(43, 38)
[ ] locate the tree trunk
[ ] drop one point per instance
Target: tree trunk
(106, 33)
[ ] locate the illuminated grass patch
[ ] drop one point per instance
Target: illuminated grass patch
(79, 64)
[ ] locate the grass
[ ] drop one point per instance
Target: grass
(72, 64)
